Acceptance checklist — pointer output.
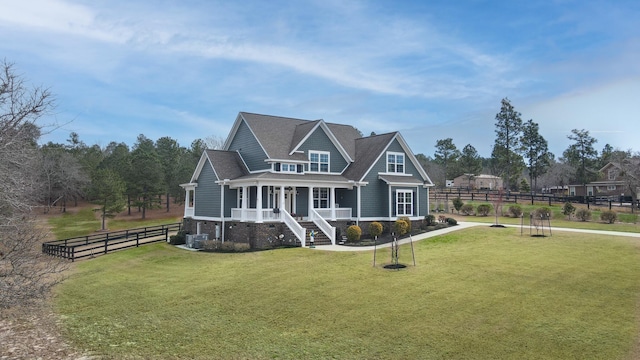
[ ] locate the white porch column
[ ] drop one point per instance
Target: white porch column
(245, 196)
(259, 204)
(358, 199)
(310, 200)
(332, 203)
(281, 203)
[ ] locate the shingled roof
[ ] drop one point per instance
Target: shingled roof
(227, 164)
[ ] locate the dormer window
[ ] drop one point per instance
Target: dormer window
(613, 173)
(288, 168)
(395, 162)
(318, 161)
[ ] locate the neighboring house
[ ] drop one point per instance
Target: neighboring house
(278, 178)
(612, 184)
(480, 182)
(556, 190)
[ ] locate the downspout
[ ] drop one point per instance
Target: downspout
(222, 217)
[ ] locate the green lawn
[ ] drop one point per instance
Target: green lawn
(627, 222)
(480, 293)
(85, 222)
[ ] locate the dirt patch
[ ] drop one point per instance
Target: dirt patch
(33, 332)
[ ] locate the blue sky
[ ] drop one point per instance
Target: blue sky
(430, 69)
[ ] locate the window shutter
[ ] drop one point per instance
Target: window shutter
(277, 166)
(300, 168)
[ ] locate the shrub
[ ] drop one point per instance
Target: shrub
(542, 213)
(515, 210)
(452, 221)
(609, 216)
(401, 227)
(430, 220)
(583, 214)
(483, 209)
(227, 246)
(178, 239)
(375, 229)
(467, 209)
(406, 219)
(457, 204)
(353, 233)
(568, 209)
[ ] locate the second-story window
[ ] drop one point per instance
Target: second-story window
(318, 161)
(395, 162)
(288, 168)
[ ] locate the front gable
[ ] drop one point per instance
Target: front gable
(243, 140)
(319, 141)
(389, 156)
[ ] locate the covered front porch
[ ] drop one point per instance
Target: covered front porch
(265, 203)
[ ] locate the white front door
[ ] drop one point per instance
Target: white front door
(289, 200)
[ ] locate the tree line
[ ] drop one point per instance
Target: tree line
(521, 157)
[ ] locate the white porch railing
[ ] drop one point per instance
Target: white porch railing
(323, 225)
(341, 213)
(251, 215)
(294, 226)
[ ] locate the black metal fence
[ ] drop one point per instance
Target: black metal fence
(522, 198)
(92, 245)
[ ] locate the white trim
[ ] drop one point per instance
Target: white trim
(321, 123)
(396, 155)
(319, 153)
(404, 203)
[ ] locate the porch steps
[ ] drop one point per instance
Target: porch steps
(320, 238)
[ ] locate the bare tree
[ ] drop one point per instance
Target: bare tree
(25, 273)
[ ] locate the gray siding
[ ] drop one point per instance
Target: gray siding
(347, 199)
(319, 141)
(249, 148)
(375, 196)
(409, 168)
(424, 201)
(207, 194)
(230, 200)
(302, 201)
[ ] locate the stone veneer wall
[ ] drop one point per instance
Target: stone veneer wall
(257, 235)
(266, 235)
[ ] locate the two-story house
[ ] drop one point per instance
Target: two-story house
(277, 178)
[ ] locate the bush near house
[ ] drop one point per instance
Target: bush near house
(467, 209)
(406, 219)
(353, 233)
(375, 229)
(609, 216)
(179, 238)
(227, 246)
(483, 209)
(583, 214)
(430, 220)
(401, 227)
(515, 211)
(452, 221)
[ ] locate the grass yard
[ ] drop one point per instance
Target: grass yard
(480, 293)
(627, 222)
(86, 221)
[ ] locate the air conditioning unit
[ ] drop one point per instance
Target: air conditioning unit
(195, 241)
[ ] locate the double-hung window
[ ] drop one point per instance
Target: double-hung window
(320, 198)
(288, 168)
(318, 161)
(404, 202)
(395, 162)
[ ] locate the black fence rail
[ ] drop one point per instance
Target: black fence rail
(521, 198)
(92, 245)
